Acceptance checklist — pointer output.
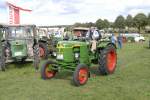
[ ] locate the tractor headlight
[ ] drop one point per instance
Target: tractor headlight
(76, 56)
(60, 56)
(54, 54)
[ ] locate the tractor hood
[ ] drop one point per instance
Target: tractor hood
(17, 42)
(69, 44)
(68, 51)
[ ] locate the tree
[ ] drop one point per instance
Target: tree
(106, 23)
(120, 22)
(88, 24)
(148, 19)
(101, 24)
(111, 25)
(140, 21)
(129, 21)
(67, 28)
(77, 24)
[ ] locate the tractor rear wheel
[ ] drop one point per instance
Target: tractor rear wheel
(108, 60)
(149, 43)
(36, 60)
(2, 64)
(2, 59)
(47, 70)
(43, 50)
(80, 75)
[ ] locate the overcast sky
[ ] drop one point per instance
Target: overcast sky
(59, 12)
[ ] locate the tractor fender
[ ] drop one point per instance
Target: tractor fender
(105, 44)
(112, 44)
(43, 41)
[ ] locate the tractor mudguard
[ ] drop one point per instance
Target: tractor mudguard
(104, 44)
(43, 41)
(112, 44)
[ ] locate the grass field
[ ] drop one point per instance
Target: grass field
(131, 81)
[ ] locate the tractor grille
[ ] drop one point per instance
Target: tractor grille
(18, 47)
(19, 50)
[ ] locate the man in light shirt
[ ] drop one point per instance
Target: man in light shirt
(93, 35)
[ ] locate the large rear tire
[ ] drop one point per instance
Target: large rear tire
(149, 43)
(47, 71)
(2, 64)
(80, 75)
(108, 60)
(2, 59)
(43, 50)
(36, 60)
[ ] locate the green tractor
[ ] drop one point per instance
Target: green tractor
(19, 44)
(77, 57)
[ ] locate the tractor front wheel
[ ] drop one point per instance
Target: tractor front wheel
(108, 60)
(80, 75)
(47, 70)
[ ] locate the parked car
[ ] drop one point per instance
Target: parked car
(139, 38)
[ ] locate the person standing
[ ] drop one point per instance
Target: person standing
(119, 40)
(93, 35)
(113, 39)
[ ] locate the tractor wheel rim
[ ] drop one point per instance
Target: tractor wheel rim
(42, 52)
(83, 75)
(49, 73)
(111, 60)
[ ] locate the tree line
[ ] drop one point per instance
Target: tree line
(139, 21)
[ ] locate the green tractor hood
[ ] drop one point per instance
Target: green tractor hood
(67, 50)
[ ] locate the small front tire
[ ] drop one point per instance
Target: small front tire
(47, 71)
(80, 75)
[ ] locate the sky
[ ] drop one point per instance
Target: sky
(66, 12)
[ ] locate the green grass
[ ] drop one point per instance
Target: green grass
(131, 81)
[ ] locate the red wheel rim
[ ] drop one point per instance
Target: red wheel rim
(83, 75)
(111, 60)
(42, 52)
(49, 73)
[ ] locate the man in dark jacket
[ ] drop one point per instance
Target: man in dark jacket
(119, 39)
